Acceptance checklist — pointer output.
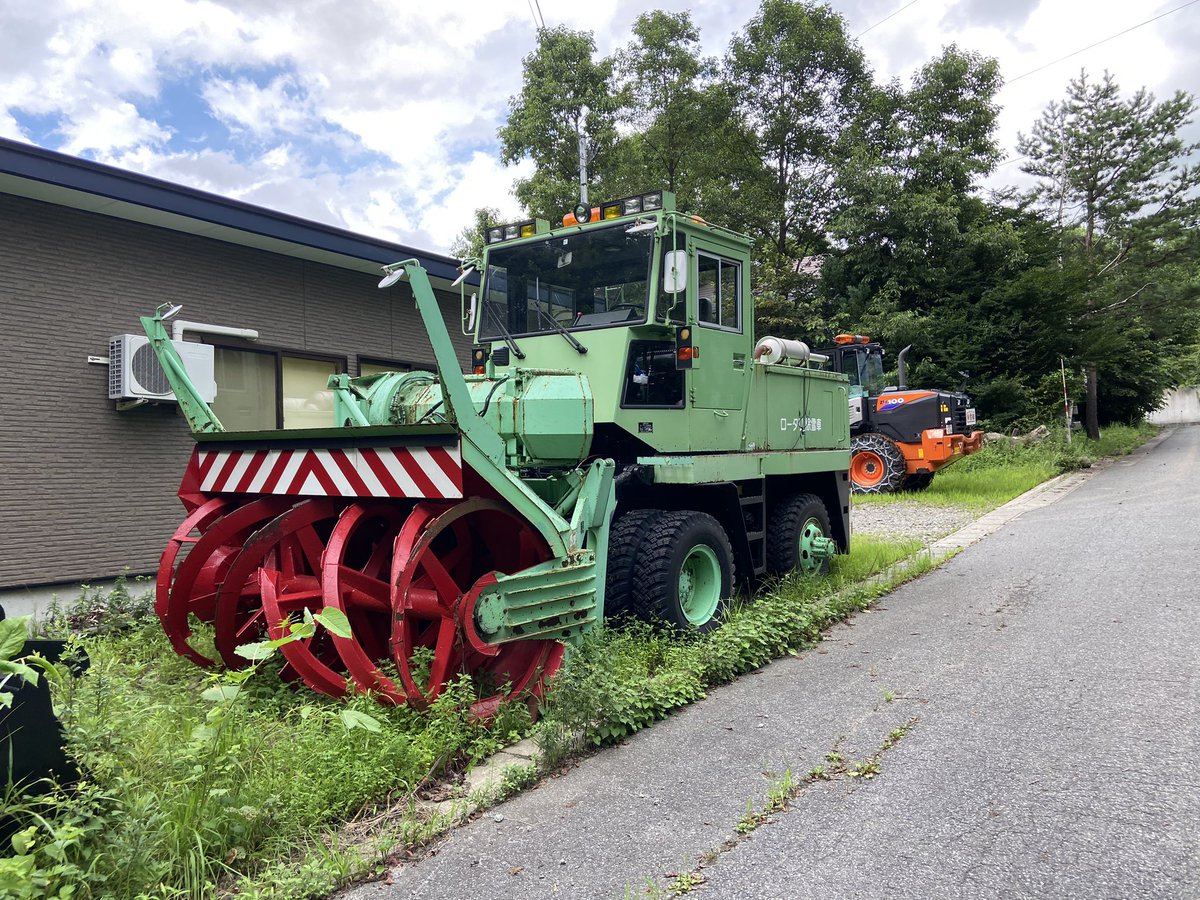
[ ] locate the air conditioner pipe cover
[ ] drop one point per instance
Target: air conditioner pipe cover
(179, 326)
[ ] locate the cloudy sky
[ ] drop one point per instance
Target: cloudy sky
(380, 115)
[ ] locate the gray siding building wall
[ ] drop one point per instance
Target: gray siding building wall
(86, 491)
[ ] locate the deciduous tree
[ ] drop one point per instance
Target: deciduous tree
(565, 93)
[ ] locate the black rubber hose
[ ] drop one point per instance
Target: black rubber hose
(491, 393)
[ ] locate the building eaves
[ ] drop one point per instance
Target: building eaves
(30, 171)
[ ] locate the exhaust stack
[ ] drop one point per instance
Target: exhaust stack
(902, 369)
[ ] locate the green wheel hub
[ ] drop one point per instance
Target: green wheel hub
(699, 584)
(815, 547)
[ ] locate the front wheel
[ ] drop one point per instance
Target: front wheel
(876, 465)
(683, 571)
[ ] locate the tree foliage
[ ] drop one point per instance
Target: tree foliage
(1112, 176)
(662, 78)
(565, 93)
(866, 207)
(469, 242)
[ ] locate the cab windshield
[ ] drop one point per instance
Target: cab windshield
(866, 369)
(592, 279)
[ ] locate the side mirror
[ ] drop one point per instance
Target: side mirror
(468, 315)
(674, 271)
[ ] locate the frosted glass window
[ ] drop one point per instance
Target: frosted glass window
(307, 400)
(245, 389)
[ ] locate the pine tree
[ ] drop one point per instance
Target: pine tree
(1112, 174)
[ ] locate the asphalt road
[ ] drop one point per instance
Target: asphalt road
(1052, 673)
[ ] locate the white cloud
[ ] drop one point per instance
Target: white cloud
(281, 106)
(11, 129)
(382, 118)
(110, 128)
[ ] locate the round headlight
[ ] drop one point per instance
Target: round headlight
(583, 213)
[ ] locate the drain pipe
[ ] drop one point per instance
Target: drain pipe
(902, 369)
(179, 326)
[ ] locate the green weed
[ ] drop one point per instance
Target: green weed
(999, 472)
(195, 783)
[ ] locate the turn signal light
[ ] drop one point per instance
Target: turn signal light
(688, 353)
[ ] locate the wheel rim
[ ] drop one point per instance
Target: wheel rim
(699, 584)
(441, 553)
(812, 536)
(867, 468)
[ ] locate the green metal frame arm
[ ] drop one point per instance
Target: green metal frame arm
(345, 409)
(454, 387)
(199, 414)
(482, 447)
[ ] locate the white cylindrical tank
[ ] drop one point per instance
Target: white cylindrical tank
(772, 351)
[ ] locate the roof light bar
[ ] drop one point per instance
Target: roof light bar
(615, 209)
(512, 231)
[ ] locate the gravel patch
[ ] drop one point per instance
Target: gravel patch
(909, 518)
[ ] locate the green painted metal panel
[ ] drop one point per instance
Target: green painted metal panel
(557, 599)
(711, 468)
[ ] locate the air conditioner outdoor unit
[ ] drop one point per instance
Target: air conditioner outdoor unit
(134, 372)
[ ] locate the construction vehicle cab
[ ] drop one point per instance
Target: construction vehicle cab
(654, 307)
(901, 437)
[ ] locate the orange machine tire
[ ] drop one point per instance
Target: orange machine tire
(877, 464)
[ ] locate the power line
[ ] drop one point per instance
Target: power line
(1098, 43)
(893, 15)
(538, 19)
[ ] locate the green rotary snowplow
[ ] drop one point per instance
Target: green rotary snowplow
(621, 445)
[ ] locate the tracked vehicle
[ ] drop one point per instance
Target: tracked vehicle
(620, 445)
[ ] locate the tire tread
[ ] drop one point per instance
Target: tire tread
(652, 590)
(624, 540)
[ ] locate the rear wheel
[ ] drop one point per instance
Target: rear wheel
(876, 465)
(683, 571)
(799, 536)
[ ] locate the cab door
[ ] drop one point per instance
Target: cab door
(722, 337)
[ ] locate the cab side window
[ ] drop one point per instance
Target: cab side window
(651, 378)
(719, 292)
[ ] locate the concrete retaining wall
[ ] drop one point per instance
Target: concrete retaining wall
(1180, 407)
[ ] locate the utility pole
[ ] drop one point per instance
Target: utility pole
(583, 191)
(1066, 400)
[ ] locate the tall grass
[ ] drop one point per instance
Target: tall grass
(192, 792)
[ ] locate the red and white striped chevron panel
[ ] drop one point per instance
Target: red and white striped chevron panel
(427, 472)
